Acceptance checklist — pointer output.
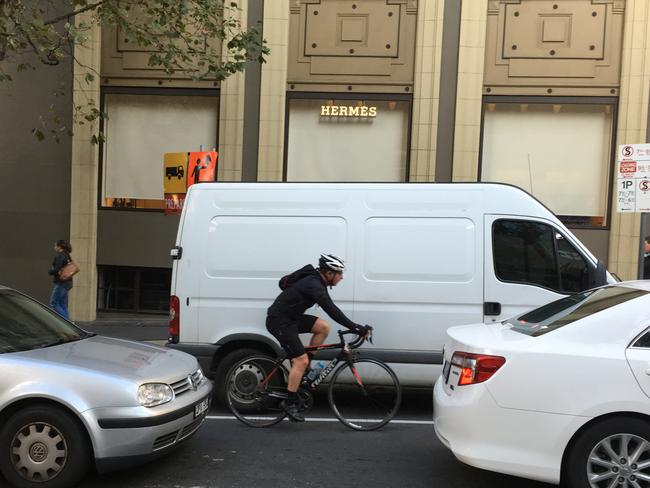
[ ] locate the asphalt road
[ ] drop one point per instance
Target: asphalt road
(319, 453)
(322, 452)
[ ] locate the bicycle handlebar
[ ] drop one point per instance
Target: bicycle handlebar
(356, 342)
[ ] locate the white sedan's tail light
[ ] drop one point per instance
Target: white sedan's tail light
(476, 368)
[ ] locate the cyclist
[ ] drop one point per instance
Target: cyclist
(286, 319)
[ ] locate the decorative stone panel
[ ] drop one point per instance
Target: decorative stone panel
(352, 45)
(559, 47)
(126, 64)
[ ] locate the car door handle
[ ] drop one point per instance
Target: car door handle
(491, 308)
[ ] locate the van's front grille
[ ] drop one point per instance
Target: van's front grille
(188, 383)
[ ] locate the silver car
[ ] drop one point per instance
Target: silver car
(69, 397)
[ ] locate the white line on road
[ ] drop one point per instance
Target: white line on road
(326, 419)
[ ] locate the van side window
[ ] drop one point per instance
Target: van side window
(535, 253)
(574, 270)
(524, 252)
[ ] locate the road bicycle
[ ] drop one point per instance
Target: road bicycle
(364, 393)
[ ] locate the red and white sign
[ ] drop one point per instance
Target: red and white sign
(627, 167)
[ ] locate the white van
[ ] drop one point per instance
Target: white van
(420, 258)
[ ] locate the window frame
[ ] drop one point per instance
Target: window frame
(637, 338)
(383, 97)
(554, 230)
(136, 289)
(129, 90)
(566, 100)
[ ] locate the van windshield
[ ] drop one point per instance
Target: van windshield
(569, 309)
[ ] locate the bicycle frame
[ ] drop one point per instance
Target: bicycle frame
(345, 354)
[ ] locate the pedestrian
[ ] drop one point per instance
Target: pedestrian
(286, 319)
(646, 259)
(59, 298)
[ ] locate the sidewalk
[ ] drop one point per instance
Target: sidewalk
(139, 327)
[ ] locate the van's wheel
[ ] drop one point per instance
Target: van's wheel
(614, 452)
(43, 446)
(228, 361)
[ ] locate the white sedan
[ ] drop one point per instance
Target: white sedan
(559, 393)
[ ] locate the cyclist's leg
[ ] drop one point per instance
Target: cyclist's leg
(298, 367)
(319, 331)
(286, 331)
(310, 324)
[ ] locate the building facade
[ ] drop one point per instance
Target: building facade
(535, 93)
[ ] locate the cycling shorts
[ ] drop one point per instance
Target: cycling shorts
(286, 332)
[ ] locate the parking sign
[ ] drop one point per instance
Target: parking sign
(633, 187)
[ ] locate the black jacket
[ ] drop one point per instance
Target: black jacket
(294, 300)
(60, 260)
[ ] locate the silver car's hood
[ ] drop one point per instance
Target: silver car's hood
(109, 356)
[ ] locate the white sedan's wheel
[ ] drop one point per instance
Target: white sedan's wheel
(620, 458)
(614, 453)
(43, 446)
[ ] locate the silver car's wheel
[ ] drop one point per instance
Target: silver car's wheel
(39, 451)
(619, 460)
(612, 453)
(43, 446)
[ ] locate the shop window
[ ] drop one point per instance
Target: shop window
(140, 129)
(347, 139)
(122, 288)
(542, 147)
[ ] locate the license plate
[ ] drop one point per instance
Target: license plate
(445, 371)
(201, 407)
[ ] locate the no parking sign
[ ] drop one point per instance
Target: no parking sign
(633, 186)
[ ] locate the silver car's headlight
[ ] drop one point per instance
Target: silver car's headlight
(152, 394)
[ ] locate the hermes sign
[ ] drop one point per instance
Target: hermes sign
(347, 111)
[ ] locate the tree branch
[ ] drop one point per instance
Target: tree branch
(91, 6)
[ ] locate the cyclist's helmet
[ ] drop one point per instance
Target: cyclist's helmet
(329, 262)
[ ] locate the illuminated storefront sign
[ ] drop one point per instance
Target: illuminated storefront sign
(347, 111)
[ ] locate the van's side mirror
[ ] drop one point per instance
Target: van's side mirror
(598, 275)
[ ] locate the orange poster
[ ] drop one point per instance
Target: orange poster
(201, 167)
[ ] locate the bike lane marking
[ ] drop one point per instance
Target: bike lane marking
(326, 419)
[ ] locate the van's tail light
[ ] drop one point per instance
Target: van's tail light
(476, 368)
(174, 319)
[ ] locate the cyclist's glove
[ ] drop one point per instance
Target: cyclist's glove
(362, 330)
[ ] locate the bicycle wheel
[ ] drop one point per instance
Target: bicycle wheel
(365, 395)
(255, 388)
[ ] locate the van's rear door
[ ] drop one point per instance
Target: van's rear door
(185, 271)
(521, 268)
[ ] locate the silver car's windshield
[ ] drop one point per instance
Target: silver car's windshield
(26, 324)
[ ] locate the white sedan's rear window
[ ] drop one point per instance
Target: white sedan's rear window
(569, 309)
